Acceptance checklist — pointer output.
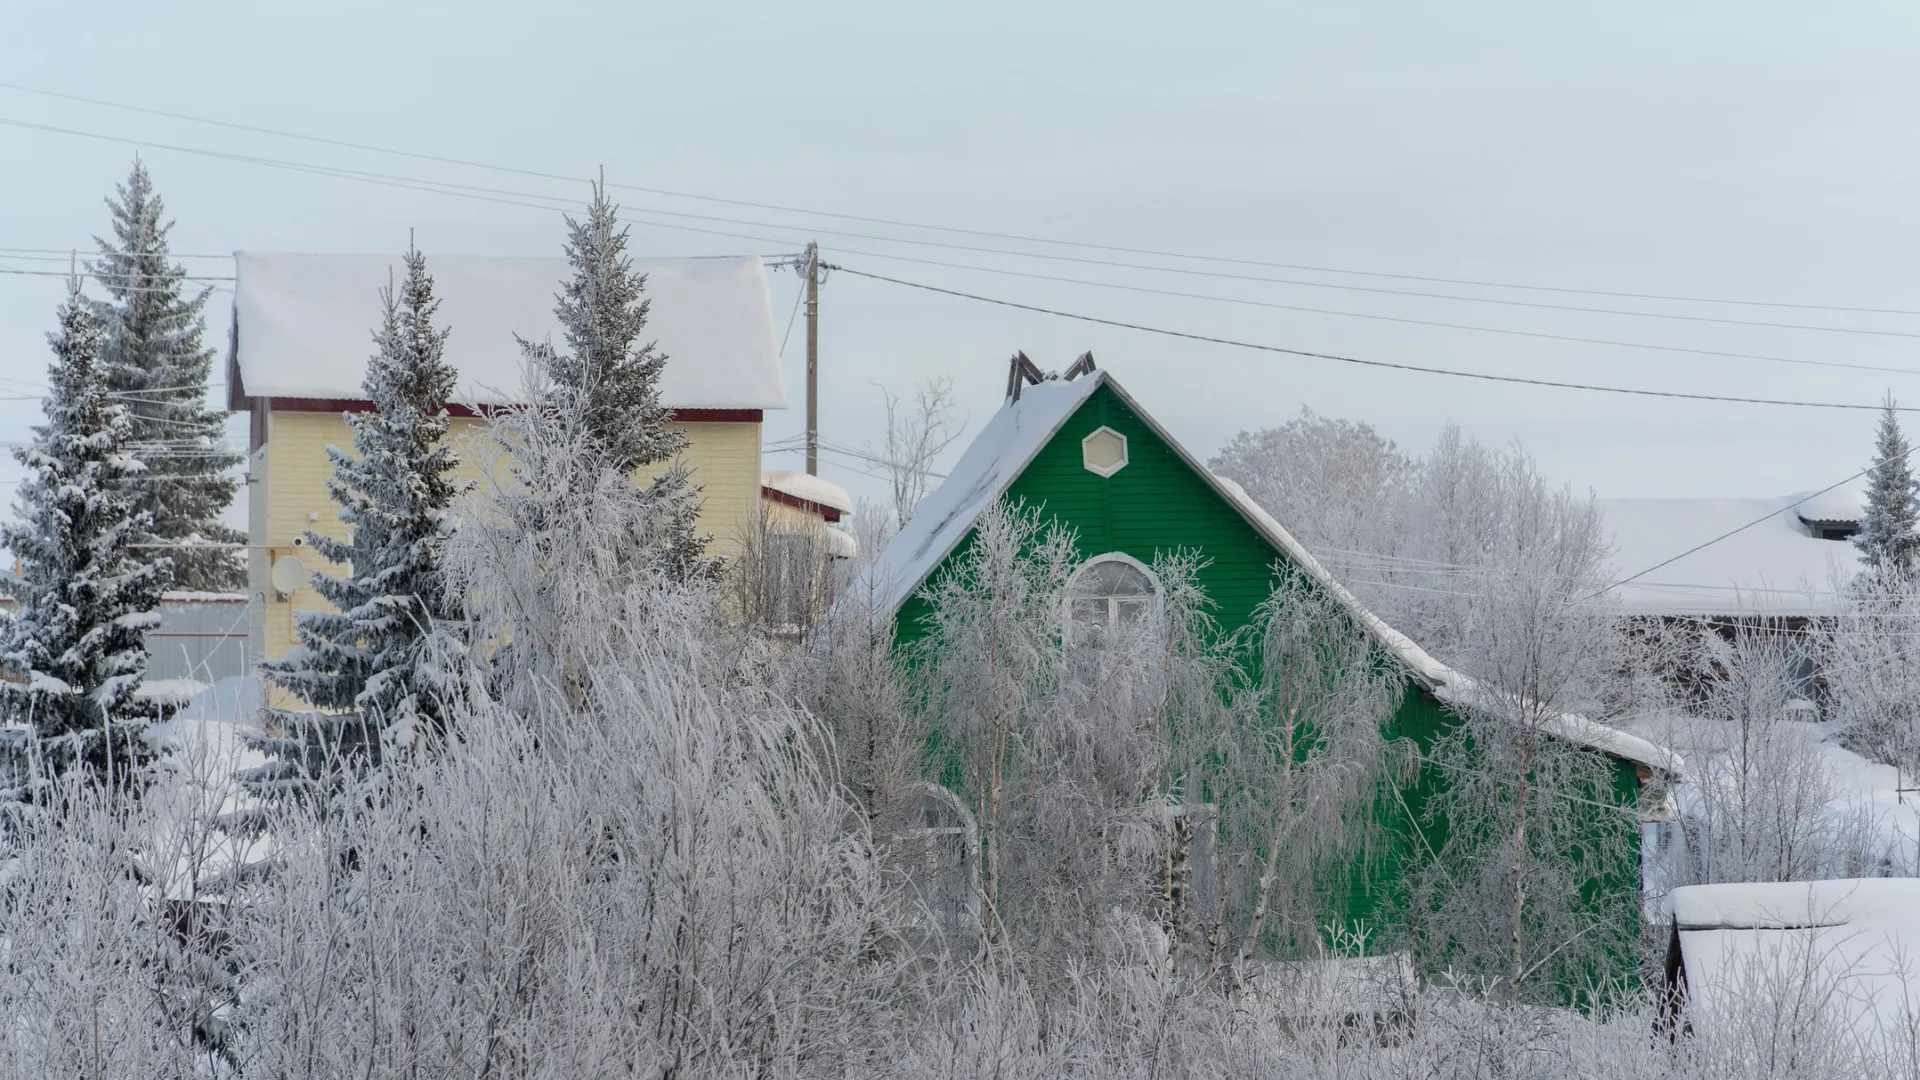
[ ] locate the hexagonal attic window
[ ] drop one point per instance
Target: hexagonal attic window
(1104, 452)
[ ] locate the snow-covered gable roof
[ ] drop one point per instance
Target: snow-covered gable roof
(991, 462)
(1777, 567)
(303, 325)
(799, 485)
(1023, 427)
(1853, 944)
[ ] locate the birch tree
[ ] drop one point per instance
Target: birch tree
(1298, 771)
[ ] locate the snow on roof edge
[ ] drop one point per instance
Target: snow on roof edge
(982, 475)
(303, 324)
(1445, 683)
(1790, 905)
(808, 488)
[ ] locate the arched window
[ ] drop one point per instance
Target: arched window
(1111, 592)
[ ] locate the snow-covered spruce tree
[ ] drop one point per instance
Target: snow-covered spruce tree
(1889, 537)
(616, 378)
(86, 595)
(377, 667)
(157, 366)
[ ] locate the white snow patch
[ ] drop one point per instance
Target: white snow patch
(1869, 795)
(169, 691)
(1851, 947)
(840, 544)
(1840, 504)
(207, 747)
(811, 489)
(1775, 567)
(304, 324)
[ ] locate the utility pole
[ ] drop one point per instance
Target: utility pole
(813, 359)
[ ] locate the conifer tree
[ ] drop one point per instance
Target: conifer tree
(86, 595)
(1889, 537)
(603, 311)
(157, 366)
(377, 665)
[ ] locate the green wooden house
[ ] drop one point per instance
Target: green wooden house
(1082, 450)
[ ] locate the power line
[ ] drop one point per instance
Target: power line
(103, 276)
(494, 195)
(1539, 334)
(1740, 529)
(955, 230)
(1387, 364)
(464, 191)
(24, 254)
(510, 197)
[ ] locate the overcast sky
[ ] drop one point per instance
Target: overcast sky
(1738, 151)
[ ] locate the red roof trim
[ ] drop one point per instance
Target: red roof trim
(827, 513)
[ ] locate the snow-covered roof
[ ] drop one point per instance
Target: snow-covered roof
(1775, 567)
(839, 543)
(983, 473)
(1852, 944)
(1019, 431)
(303, 324)
(1840, 504)
(799, 485)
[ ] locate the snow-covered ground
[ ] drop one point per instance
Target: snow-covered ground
(208, 744)
(1864, 801)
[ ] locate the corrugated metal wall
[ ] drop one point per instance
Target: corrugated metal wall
(200, 639)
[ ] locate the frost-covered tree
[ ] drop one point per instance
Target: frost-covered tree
(157, 365)
(1337, 485)
(616, 378)
(1760, 802)
(1532, 833)
(86, 595)
(1420, 541)
(379, 663)
(1296, 772)
(918, 432)
(1889, 536)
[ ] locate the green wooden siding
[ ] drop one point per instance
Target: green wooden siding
(1155, 505)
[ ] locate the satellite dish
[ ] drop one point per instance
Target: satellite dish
(288, 575)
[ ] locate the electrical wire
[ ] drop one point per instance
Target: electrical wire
(1385, 364)
(954, 230)
(1373, 317)
(430, 187)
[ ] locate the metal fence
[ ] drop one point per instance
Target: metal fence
(201, 636)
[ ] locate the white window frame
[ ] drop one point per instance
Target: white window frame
(1155, 596)
(1104, 470)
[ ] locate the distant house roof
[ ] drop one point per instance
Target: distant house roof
(1024, 426)
(1852, 944)
(796, 488)
(303, 325)
(1775, 567)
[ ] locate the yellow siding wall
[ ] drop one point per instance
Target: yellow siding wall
(785, 518)
(288, 489)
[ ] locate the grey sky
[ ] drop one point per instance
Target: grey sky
(1734, 150)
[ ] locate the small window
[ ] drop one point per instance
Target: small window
(1104, 452)
(1110, 593)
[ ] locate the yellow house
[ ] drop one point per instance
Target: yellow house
(303, 332)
